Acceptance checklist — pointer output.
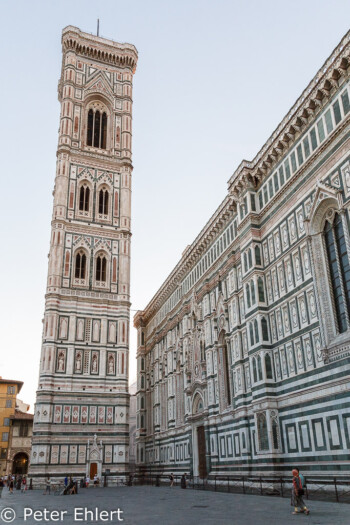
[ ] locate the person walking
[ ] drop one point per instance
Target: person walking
(87, 482)
(23, 484)
(297, 494)
(183, 481)
(11, 484)
(302, 479)
(65, 482)
(47, 485)
(171, 477)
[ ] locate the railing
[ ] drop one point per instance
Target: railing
(324, 488)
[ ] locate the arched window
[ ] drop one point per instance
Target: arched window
(80, 265)
(339, 268)
(275, 434)
(97, 129)
(142, 402)
(251, 333)
(260, 374)
(257, 255)
(268, 366)
(252, 291)
(84, 198)
(262, 432)
(227, 374)
(90, 127)
(101, 268)
(264, 329)
(261, 290)
(245, 262)
(142, 382)
(103, 201)
(256, 330)
(247, 295)
(255, 376)
(250, 262)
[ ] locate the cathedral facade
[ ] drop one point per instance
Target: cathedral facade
(81, 411)
(244, 351)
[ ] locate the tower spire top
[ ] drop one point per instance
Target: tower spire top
(98, 27)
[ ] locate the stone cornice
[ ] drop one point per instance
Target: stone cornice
(83, 156)
(98, 48)
(313, 98)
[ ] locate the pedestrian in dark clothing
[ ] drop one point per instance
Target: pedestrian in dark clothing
(183, 481)
(297, 494)
(47, 485)
(171, 477)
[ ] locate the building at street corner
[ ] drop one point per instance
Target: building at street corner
(81, 411)
(20, 442)
(244, 351)
(9, 389)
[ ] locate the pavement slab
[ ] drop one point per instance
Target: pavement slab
(146, 505)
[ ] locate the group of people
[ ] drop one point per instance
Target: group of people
(71, 486)
(17, 482)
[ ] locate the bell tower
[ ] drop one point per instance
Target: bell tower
(82, 395)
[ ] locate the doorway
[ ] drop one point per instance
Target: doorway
(202, 464)
(93, 470)
(20, 464)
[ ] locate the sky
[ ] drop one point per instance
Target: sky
(213, 81)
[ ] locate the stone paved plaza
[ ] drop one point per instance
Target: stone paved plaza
(169, 506)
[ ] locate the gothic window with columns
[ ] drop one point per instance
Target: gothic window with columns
(80, 265)
(225, 363)
(84, 197)
(268, 366)
(263, 437)
(250, 262)
(101, 268)
(339, 269)
(97, 128)
(275, 432)
(260, 374)
(247, 290)
(251, 333)
(252, 291)
(257, 369)
(103, 197)
(256, 330)
(264, 329)
(255, 376)
(257, 255)
(261, 290)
